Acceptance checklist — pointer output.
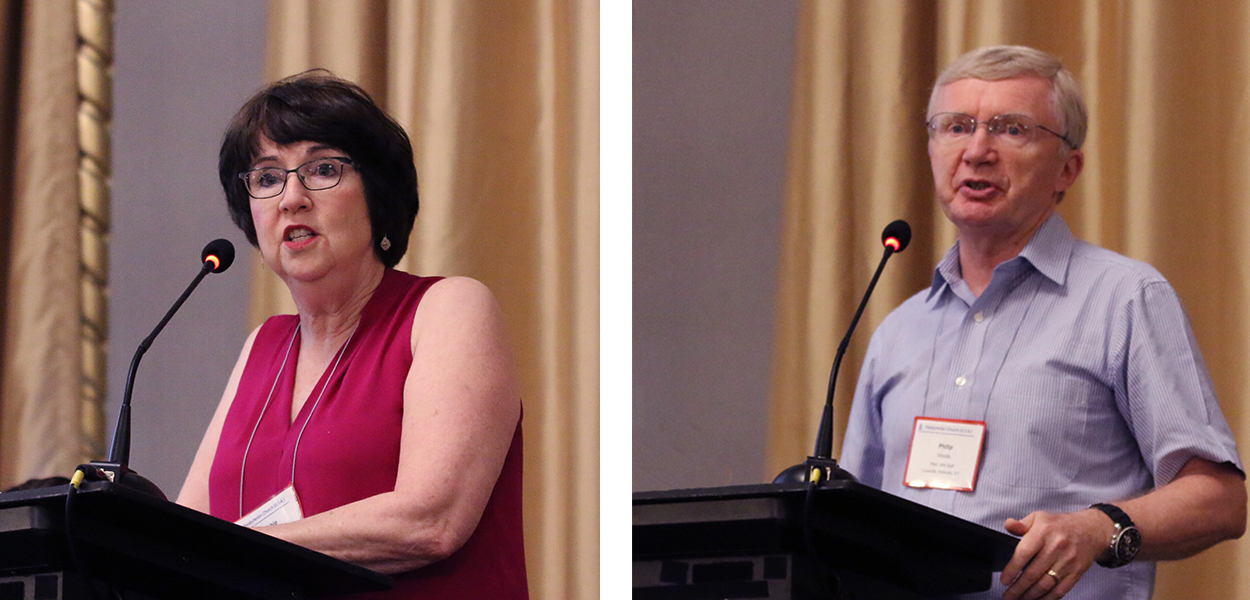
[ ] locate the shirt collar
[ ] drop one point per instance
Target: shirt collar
(1050, 252)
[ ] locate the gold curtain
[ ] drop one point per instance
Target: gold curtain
(501, 102)
(1165, 181)
(54, 113)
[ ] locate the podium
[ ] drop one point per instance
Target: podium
(153, 549)
(858, 543)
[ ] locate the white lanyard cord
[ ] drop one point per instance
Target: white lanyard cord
(265, 408)
(342, 351)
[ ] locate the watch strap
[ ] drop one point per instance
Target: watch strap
(1120, 517)
(1125, 542)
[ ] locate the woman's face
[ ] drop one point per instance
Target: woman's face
(306, 235)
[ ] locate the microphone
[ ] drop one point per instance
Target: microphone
(216, 257)
(820, 467)
(219, 252)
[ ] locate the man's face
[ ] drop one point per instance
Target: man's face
(987, 185)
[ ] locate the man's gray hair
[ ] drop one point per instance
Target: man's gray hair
(995, 63)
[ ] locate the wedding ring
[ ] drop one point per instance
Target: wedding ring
(1053, 575)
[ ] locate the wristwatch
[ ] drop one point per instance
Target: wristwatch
(1126, 541)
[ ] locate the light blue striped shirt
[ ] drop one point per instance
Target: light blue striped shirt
(1084, 368)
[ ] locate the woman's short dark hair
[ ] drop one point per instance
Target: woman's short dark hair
(318, 107)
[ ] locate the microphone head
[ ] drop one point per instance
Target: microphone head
(219, 253)
(897, 235)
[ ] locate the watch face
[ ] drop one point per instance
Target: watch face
(1127, 544)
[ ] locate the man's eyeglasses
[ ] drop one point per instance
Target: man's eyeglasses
(1018, 130)
(316, 174)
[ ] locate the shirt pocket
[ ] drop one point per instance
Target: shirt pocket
(1038, 440)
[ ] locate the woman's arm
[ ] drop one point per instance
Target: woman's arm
(194, 493)
(461, 408)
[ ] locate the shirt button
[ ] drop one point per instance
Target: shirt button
(961, 381)
(978, 317)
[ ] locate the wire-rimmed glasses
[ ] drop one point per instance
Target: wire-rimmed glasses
(1018, 130)
(315, 175)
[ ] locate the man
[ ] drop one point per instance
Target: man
(1075, 366)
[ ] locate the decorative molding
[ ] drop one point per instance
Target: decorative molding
(95, 112)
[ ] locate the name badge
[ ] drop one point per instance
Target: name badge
(282, 508)
(945, 454)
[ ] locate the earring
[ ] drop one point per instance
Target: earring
(385, 244)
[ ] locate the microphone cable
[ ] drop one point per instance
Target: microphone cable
(834, 587)
(71, 543)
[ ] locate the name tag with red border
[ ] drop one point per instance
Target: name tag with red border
(945, 454)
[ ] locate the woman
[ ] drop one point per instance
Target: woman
(381, 424)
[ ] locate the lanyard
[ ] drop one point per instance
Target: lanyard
(269, 399)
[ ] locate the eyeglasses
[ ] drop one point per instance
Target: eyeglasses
(1018, 130)
(315, 175)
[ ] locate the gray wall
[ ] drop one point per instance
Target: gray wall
(181, 69)
(712, 87)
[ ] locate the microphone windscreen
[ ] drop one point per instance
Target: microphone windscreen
(221, 252)
(897, 235)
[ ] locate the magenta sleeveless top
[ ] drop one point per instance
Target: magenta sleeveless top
(349, 448)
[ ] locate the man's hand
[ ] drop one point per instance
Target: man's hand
(1203, 505)
(1054, 552)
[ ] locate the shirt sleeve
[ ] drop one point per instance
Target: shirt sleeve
(1168, 398)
